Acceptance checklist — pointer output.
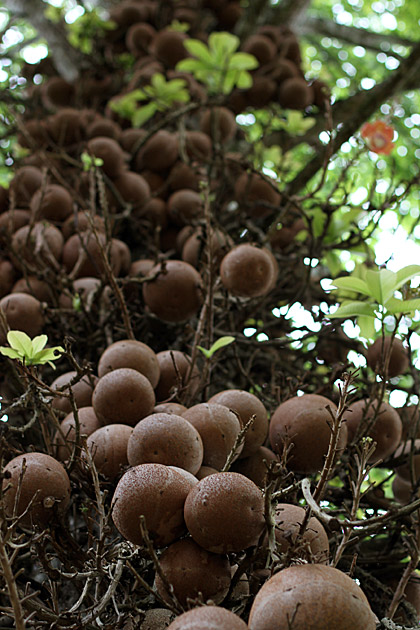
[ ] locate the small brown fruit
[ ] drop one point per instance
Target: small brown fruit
(396, 355)
(156, 492)
(108, 447)
(175, 295)
(44, 489)
(123, 396)
(225, 512)
(247, 271)
(164, 438)
(313, 595)
(193, 571)
(129, 353)
(296, 421)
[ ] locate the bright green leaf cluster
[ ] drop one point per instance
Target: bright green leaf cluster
(220, 343)
(217, 65)
(161, 94)
(87, 29)
(30, 351)
(379, 288)
(296, 124)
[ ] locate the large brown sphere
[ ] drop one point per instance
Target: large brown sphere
(378, 352)
(255, 465)
(123, 396)
(165, 438)
(257, 193)
(82, 391)
(130, 353)
(248, 271)
(108, 447)
(305, 422)
(225, 512)
(159, 153)
(312, 546)
(218, 427)
(192, 570)
(386, 430)
(208, 618)
(316, 596)
(246, 405)
(66, 438)
(175, 295)
(23, 312)
(53, 203)
(44, 477)
(158, 493)
(219, 123)
(108, 150)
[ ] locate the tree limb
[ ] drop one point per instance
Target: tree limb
(310, 25)
(67, 59)
(357, 109)
(289, 12)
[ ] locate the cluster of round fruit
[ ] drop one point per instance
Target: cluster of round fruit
(167, 463)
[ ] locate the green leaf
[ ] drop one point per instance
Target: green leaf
(354, 309)
(45, 356)
(243, 61)
(244, 80)
(190, 65)
(20, 341)
(220, 343)
(223, 44)
(143, 114)
(352, 284)
(38, 343)
(407, 273)
(382, 284)
(367, 326)
(198, 49)
(12, 354)
(395, 306)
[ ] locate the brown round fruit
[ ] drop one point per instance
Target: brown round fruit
(51, 202)
(396, 355)
(412, 462)
(175, 295)
(23, 312)
(246, 405)
(164, 438)
(312, 546)
(159, 153)
(108, 447)
(82, 391)
(219, 123)
(247, 271)
(255, 465)
(295, 93)
(185, 206)
(257, 194)
(218, 427)
(123, 396)
(108, 150)
(315, 596)
(168, 46)
(297, 421)
(383, 425)
(193, 571)
(156, 492)
(130, 353)
(65, 439)
(225, 512)
(208, 618)
(44, 489)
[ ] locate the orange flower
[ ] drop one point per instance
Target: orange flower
(378, 136)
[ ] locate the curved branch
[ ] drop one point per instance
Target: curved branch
(67, 59)
(357, 109)
(311, 25)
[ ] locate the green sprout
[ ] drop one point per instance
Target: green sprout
(377, 290)
(218, 65)
(90, 161)
(220, 343)
(161, 94)
(30, 351)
